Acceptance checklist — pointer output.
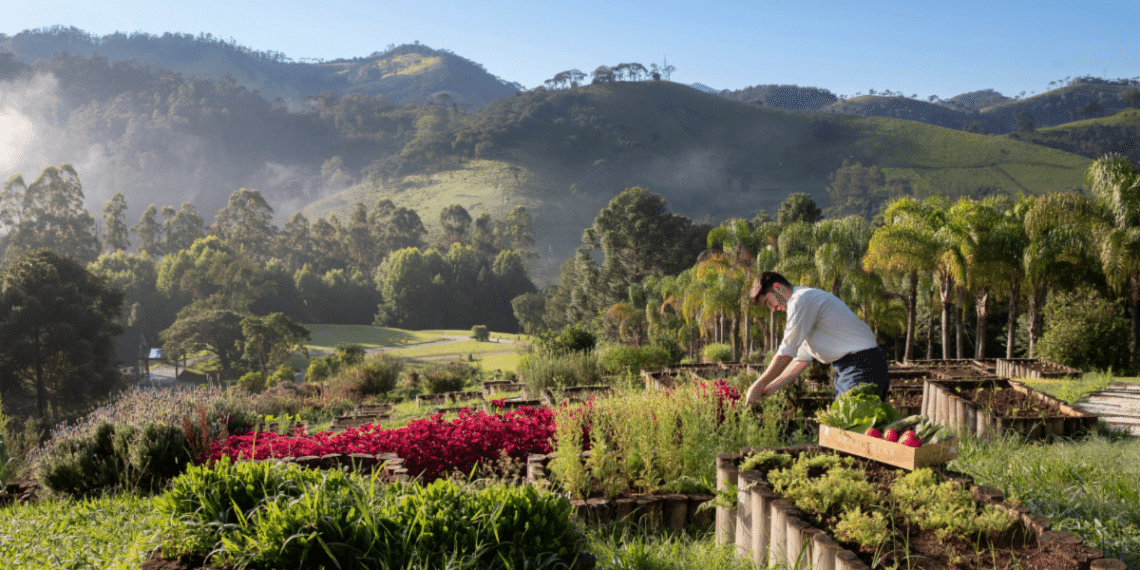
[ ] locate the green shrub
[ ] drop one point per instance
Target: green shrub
(716, 352)
(571, 339)
(282, 374)
(115, 457)
(480, 333)
(621, 359)
(1087, 332)
(318, 370)
(253, 382)
(270, 514)
(348, 354)
(560, 370)
(380, 373)
(450, 377)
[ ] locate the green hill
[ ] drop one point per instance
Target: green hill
(563, 154)
(405, 74)
(903, 108)
(1119, 133)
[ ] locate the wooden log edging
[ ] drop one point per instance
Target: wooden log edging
(674, 512)
(390, 465)
(943, 406)
(1031, 368)
(778, 534)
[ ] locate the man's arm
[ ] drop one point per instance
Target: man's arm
(781, 371)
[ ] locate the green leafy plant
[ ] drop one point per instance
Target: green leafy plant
(716, 352)
(857, 410)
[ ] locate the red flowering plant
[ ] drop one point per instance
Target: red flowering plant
(431, 448)
(644, 441)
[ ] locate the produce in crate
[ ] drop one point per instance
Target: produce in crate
(858, 409)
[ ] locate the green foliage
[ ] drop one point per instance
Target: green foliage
(1087, 332)
(857, 410)
(318, 370)
(252, 381)
(946, 506)
(57, 327)
(377, 374)
(115, 457)
(450, 377)
(543, 370)
(284, 373)
(480, 333)
(273, 514)
(269, 341)
(623, 359)
(666, 438)
(716, 352)
(573, 338)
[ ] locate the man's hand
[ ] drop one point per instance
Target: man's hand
(755, 393)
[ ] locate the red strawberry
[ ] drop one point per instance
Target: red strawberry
(891, 435)
(873, 432)
(912, 441)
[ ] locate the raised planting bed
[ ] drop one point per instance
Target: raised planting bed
(906, 399)
(650, 511)
(672, 376)
(789, 513)
(500, 386)
(575, 394)
(447, 398)
(341, 423)
(1033, 368)
(910, 377)
(989, 407)
(373, 409)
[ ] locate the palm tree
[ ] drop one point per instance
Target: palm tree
(904, 245)
(1115, 182)
(1062, 230)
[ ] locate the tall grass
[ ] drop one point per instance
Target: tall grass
(1085, 486)
(113, 532)
(653, 439)
(543, 370)
(623, 547)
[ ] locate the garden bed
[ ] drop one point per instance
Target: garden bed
(989, 407)
(650, 511)
(1033, 368)
(770, 529)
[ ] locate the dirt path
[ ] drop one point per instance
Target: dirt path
(1118, 405)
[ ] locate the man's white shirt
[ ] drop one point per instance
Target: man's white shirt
(820, 326)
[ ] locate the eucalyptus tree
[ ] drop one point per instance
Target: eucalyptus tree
(116, 234)
(48, 213)
(738, 240)
(1115, 182)
(246, 222)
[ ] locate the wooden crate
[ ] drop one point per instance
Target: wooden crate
(888, 452)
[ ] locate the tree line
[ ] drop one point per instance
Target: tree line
(186, 285)
(927, 274)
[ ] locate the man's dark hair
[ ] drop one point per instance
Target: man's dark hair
(763, 284)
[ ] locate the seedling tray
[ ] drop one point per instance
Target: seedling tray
(888, 452)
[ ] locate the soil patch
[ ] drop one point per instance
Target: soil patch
(1008, 402)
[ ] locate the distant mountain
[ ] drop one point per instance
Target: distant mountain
(990, 112)
(791, 97)
(406, 74)
(902, 108)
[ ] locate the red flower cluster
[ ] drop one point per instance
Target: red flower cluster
(430, 448)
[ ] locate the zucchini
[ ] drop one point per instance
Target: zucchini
(926, 431)
(903, 424)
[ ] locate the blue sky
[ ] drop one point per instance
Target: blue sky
(846, 47)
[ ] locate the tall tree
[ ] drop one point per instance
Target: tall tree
(216, 330)
(855, 190)
(1115, 182)
(246, 222)
(455, 221)
(115, 232)
(638, 237)
(798, 207)
(57, 328)
(149, 232)
(270, 340)
(182, 228)
(906, 245)
(48, 213)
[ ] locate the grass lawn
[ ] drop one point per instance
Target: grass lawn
(326, 337)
